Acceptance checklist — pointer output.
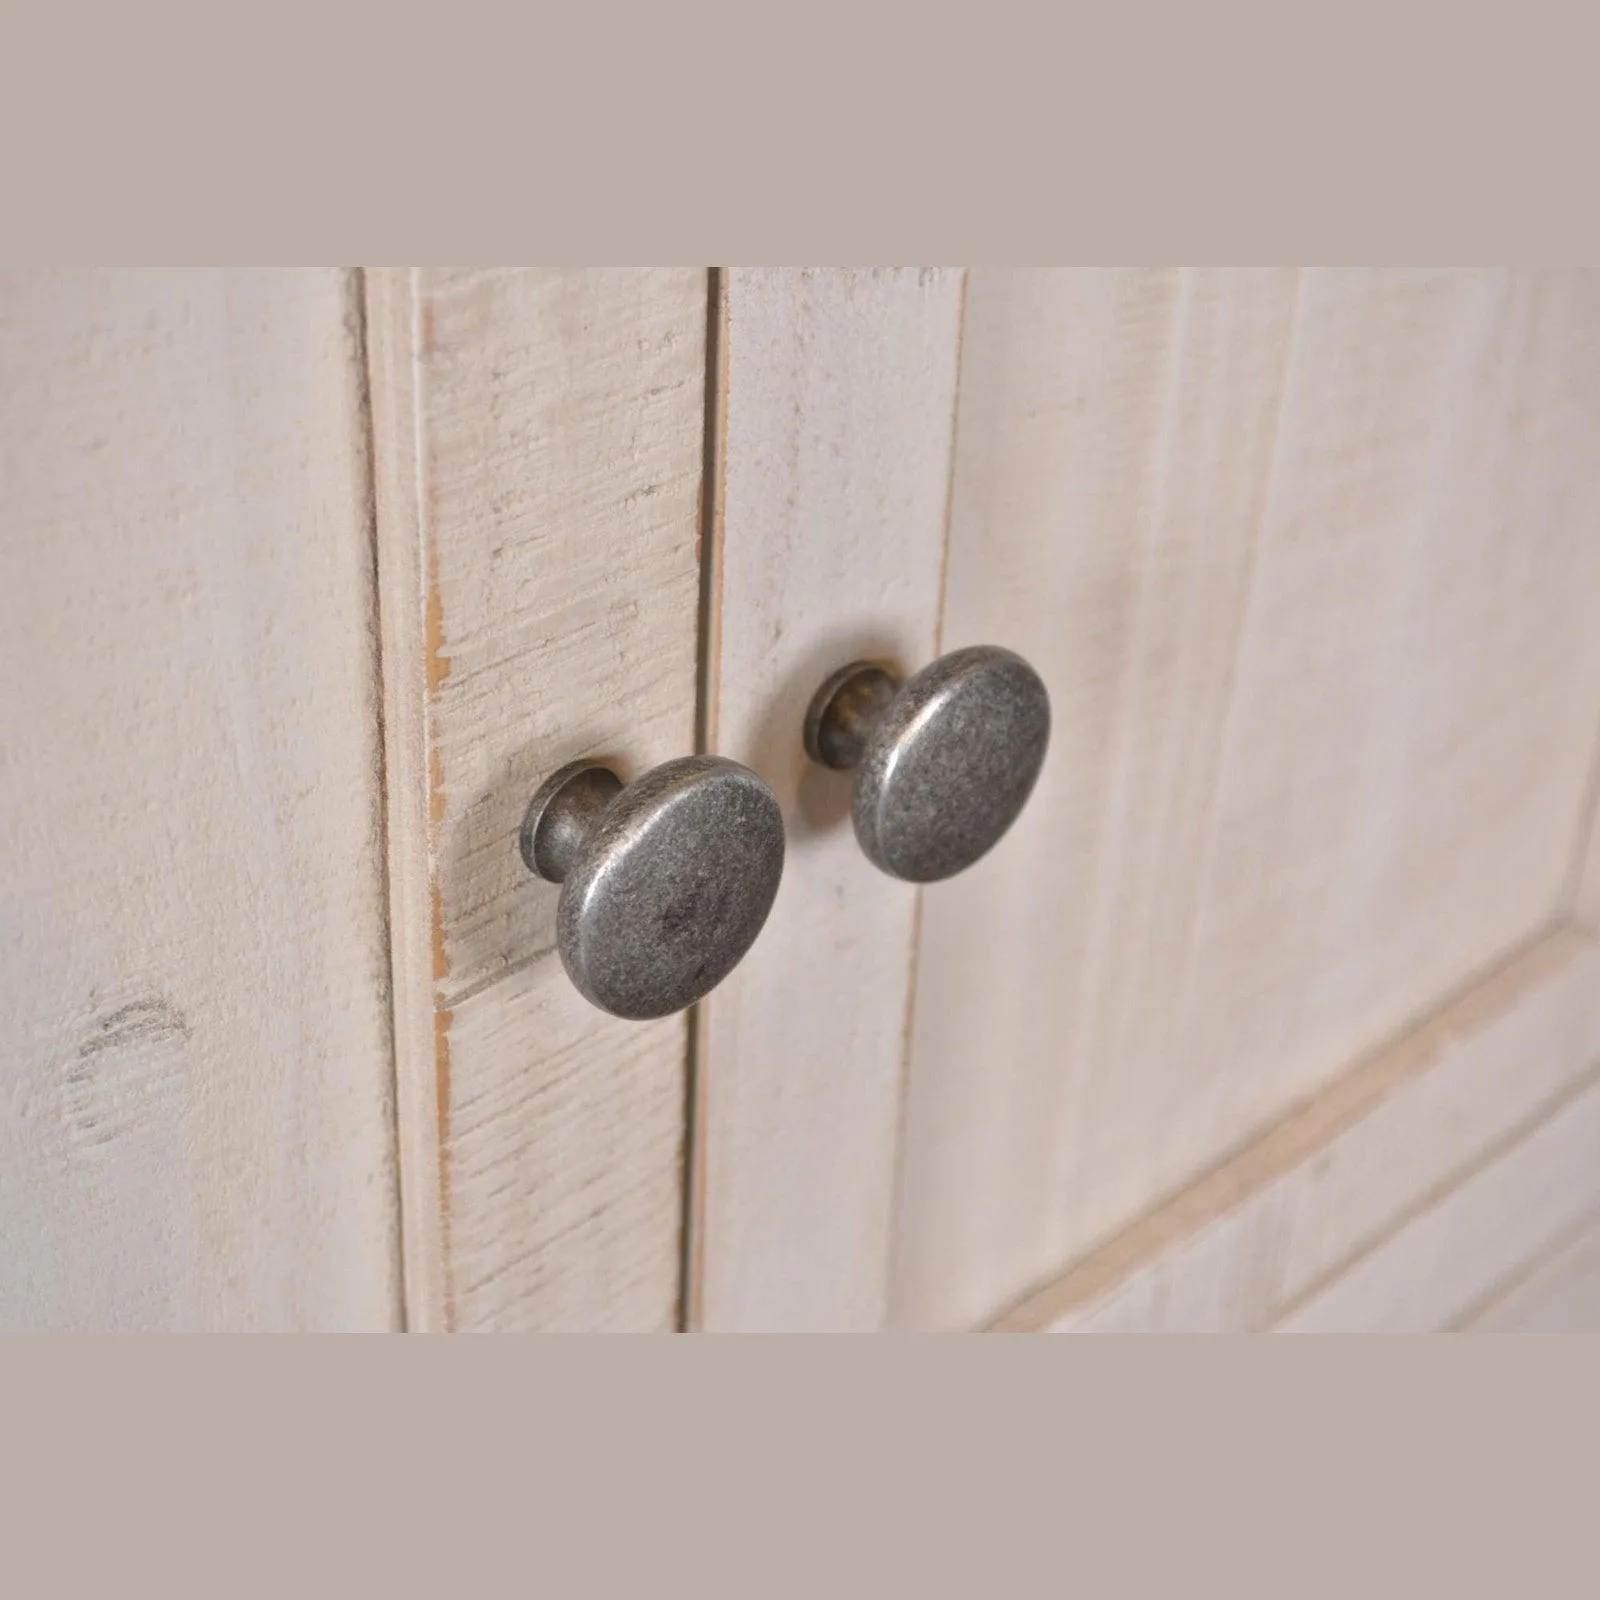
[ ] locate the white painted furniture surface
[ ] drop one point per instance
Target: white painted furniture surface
(1279, 1008)
(196, 1095)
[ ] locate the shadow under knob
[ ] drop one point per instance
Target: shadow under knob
(944, 762)
(664, 884)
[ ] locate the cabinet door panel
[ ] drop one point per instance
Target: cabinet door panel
(1308, 562)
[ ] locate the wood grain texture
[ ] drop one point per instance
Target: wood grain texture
(1308, 563)
(837, 407)
(1240, 1246)
(1444, 1261)
(196, 1120)
(538, 446)
(1558, 1292)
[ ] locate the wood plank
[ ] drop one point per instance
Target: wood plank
(197, 1126)
(1441, 1263)
(1231, 1252)
(1308, 566)
(1559, 1292)
(838, 402)
(538, 447)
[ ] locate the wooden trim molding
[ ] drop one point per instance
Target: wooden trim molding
(1263, 1237)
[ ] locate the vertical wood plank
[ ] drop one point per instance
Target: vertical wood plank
(1309, 569)
(196, 1115)
(1112, 450)
(538, 446)
(838, 403)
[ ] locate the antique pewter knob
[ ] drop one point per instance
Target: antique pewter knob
(943, 762)
(664, 884)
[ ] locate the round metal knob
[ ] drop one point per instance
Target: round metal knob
(943, 762)
(664, 884)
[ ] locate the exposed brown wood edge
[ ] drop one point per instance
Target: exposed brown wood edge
(356, 322)
(421, 1029)
(712, 496)
(1228, 1188)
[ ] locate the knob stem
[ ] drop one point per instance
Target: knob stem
(845, 710)
(563, 813)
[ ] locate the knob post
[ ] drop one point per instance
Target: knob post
(562, 815)
(845, 710)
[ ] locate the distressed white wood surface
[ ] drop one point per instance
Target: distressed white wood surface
(538, 444)
(1309, 565)
(196, 1118)
(837, 407)
(1444, 1261)
(1558, 1293)
(1260, 1231)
